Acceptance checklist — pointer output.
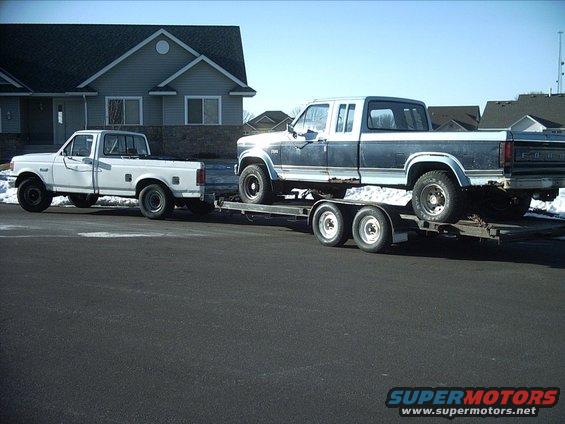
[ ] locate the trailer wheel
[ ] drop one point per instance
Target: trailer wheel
(255, 186)
(372, 230)
(156, 202)
(437, 197)
(199, 207)
(83, 200)
(33, 196)
(330, 225)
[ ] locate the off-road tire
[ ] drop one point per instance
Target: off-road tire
(255, 186)
(156, 202)
(83, 200)
(338, 193)
(504, 207)
(33, 196)
(199, 207)
(448, 195)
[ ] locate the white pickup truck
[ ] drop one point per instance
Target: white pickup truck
(102, 162)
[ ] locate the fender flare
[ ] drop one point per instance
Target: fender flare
(35, 173)
(438, 157)
(259, 154)
(151, 177)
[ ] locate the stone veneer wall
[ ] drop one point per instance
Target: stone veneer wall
(11, 144)
(205, 141)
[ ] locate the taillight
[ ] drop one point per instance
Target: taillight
(506, 153)
(201, 176)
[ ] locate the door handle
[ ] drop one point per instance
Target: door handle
(87, 161)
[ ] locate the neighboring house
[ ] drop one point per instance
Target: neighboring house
(531, 112)
(268, 121)
(454, 118)
(183, 86)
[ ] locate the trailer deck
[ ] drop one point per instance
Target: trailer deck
(403, 222)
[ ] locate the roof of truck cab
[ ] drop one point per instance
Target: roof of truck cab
(107, 131)
(379, 98)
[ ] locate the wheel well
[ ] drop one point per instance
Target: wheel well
(26, 175)
(250, 161)
(148, 181)
(419, 169)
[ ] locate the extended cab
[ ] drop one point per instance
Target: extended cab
(99, 163)
(335, 144)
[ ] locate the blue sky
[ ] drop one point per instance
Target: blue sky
(456, 53)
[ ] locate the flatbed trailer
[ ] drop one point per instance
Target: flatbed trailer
(376, 226)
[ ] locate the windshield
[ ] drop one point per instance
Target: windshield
(396, 116)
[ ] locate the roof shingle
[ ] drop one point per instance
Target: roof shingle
(59, 57)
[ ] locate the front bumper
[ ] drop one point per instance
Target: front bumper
(533, 183)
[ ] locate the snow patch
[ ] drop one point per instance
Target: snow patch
(391, 196)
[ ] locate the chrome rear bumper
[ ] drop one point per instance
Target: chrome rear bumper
(527, 183)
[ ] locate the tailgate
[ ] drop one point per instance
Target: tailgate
(538, 153)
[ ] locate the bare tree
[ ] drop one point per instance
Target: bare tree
(296, 110)
(247, 116)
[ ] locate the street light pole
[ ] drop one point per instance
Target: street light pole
(559, 66)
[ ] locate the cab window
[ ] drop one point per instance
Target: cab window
(124, 145)
(314, 119)
(80, 146)
(345, 116)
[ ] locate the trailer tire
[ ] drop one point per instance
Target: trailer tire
(372, 230)
(33, 196)
(156, 202)
(255, 186)
(331, 224)
(83, 200)
(503, 207)
(437, 197)
(199, 207)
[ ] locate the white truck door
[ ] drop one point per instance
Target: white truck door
(117, 165)
(73, 166)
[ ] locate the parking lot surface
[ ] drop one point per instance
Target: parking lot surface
(109, 317)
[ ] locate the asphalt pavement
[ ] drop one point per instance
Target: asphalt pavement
(108, 317)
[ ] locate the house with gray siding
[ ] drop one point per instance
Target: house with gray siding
(454, 118)
(183, 86)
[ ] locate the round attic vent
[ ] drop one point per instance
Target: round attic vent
(162, 47)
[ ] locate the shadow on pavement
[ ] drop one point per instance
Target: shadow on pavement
(548, 252)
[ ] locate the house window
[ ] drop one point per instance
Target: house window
(124, 111)
(203, 110)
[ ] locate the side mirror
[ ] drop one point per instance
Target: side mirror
(290, 129)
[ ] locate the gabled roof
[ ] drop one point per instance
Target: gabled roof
(547, 110)
(276, 116)
(60, 57)
(467, 117)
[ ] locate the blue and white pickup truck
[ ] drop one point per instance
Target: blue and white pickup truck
(95, 163)
(335, 144)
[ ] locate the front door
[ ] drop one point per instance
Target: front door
(73, 166)
(304, 157)
(39, 114)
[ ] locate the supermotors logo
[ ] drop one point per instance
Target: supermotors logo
(451, 402)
